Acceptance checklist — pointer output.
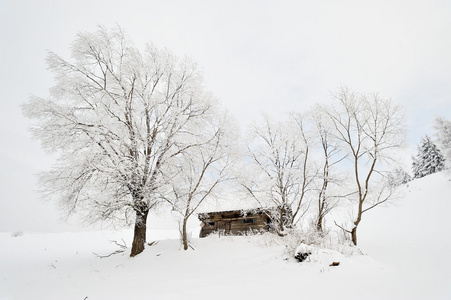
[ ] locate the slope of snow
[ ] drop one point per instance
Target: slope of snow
(407, 248)
(413, 237)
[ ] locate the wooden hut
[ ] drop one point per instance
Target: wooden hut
(235, 222)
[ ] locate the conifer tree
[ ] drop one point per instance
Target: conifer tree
(443, 133)
(398, 176)
(429, 159)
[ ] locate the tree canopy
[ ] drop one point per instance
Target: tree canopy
(118, 117)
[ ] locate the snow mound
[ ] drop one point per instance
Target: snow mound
(322, 257)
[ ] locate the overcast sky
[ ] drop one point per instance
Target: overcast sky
(257, 56)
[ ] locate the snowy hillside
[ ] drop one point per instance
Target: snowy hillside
(406, 250)
(413, 237)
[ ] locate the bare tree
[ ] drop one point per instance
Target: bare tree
(119, 118)
(201, 171)
(308, 174)
(370, 129)
(331, 156)
(278, 157)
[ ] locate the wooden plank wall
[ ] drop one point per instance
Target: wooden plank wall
(233, 223)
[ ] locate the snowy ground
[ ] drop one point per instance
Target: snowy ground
(406, 246)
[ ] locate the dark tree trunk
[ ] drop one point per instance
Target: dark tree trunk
(356, 223)
(354, 235)
(281, 227)
(184, 236)
(319, 223)
(139, 237)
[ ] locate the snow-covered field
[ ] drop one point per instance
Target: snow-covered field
(406, 250)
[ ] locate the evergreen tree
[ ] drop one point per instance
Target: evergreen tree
(429, 160)
(443, 133)
(398, 177)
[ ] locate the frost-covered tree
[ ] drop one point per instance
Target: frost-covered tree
(370, 129)
(443, 133)
(120, 119)
(398, 176)
(278, 173)
(308, 173)
(327, 179)
(200, 171)
(429, 159)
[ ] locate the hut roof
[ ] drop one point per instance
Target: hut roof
(241, 212)
(228, 203)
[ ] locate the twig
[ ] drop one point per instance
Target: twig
(105, 256)
(152, 243)
(122, 246)
(342, 228)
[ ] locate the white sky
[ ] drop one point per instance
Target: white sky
(257, 56)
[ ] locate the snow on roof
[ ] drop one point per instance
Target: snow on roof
(230, 202)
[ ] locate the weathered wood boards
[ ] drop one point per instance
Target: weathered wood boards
(235, 222)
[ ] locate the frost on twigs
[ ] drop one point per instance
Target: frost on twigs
(371, 130)
(313, 248)
(443, 136)
(279, 172)
(122, 121)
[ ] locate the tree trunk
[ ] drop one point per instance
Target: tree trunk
(354, 235)
(357, 222)
(184, 235)
(319, 223)
(281, 227)
(139, 237)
